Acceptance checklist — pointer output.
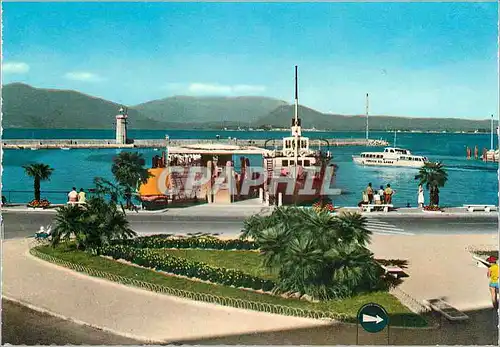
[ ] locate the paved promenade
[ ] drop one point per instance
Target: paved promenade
(439, 266)
(127, 311)
(250, 207)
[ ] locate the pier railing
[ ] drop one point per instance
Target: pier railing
(25, 196)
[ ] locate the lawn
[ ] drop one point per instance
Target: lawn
(242, 260)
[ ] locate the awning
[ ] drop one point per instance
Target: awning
(151, 187)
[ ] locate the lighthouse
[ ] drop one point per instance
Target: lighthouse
(121, 126)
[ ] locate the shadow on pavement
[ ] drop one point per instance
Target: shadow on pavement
(480, 329)
(24, 326)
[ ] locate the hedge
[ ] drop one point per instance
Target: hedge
(184, 267)
(203, 242)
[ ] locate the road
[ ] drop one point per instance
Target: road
(23, 326)
(23, 224)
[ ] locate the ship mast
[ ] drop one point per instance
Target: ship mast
(491, 147)
(367, 129)
(296, 120)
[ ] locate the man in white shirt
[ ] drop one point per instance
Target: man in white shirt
(73, 195)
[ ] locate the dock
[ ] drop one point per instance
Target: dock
(163, 143)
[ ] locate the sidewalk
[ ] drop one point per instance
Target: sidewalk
(239, 210)
(434, 262)
(126, 311)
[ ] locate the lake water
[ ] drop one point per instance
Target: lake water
(469, 181)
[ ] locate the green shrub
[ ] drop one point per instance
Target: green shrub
(179, 266)
(203, 242)
(316, 253)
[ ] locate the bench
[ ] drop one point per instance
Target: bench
(480, 262)
(485, 208)
(76, 203)
(370, 207)
(394, 271)
(446, 310)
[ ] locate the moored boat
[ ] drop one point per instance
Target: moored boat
(292, 163)
(391, 156)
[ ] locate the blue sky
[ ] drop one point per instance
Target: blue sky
(415, 59)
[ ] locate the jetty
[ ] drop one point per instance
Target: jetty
(163, 143)
(122, 140)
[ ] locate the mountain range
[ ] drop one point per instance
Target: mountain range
(24, 106)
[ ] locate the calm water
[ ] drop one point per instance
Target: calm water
(469, 181)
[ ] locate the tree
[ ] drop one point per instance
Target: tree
(128, 170)
(39, 172)
(92, 225)
(316, 253)
(433, 175)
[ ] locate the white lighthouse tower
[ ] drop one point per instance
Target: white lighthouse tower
(121, 126)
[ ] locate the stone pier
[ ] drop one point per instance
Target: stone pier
(163, 143)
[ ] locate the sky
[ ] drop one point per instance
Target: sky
(414, 59)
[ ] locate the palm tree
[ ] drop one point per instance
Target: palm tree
(433, 175)
(39, 172)
(128, 169)
(105, 187)
(315, 253)
(94, 225)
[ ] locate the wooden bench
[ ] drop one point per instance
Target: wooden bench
(394, 271)
(446, 310)
(480, 262)
(485, 208)
(370, 207)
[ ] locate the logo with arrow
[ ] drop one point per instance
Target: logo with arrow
(373, 318)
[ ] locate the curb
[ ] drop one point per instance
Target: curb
(79, 322)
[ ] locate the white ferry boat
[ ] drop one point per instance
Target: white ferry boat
(391, 156)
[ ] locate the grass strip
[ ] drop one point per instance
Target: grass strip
(399, 314)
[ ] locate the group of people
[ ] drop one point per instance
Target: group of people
(77, 197)
(373, 196)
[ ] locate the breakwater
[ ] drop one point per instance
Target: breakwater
(162, 143)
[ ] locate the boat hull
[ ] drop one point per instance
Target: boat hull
(387, 162)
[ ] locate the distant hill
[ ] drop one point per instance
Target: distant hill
(282, 116)
(244, 109)
(28, 107)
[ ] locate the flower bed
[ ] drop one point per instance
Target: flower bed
(318, 206)
(179, 266)
(43, 203)
(432, 209)
(203, 242)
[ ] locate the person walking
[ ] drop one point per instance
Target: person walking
(493, 276)
(369, 192)
(388, 194)
(420, 196)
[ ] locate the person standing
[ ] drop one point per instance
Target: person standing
(381, 192)
(493, 276)
(388, 194)
(73, 195)
(420, 196)
(369, 192)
